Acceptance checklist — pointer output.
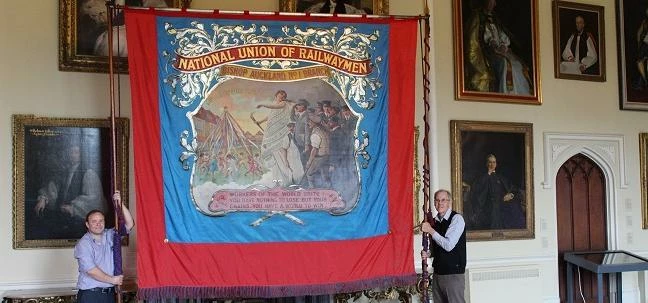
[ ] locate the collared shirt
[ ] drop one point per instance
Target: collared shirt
(453, 233)
(90, 254)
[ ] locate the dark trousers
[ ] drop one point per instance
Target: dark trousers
(96, 295)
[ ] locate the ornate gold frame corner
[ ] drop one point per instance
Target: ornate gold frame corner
(46, 127)
(380, 7)
(458, 129)
(70, 59)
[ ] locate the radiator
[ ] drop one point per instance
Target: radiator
(512, 284)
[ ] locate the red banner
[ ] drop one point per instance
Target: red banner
(190, 246)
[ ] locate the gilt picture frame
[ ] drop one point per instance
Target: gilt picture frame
(492, 178)
(496, 51)
(62, 170)
(83, 35)
(579, 41)
(632, 46)
(370, 7)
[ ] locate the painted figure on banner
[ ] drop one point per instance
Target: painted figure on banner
(302, 131)
(274, 147)
(317, 169)
(492, 63)
(346, 167)
(73, 191)
(337, 140)
(495, 202)
(348, 120)
(289, 149)
(579, 54)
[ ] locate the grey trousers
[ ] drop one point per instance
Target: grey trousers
(448, 288)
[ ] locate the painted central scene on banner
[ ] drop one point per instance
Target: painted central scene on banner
(260, 150)
(277, 128)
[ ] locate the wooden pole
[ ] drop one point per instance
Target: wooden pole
(425, 279)
(110, 9)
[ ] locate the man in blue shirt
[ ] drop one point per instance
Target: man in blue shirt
(94, 253)
(449, 250)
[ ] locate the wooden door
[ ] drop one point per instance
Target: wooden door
(582, 226)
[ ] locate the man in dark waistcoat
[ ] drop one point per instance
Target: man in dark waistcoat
(448, 247)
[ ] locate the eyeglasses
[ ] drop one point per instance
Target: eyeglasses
(441, 200)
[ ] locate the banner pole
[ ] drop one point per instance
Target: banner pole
(110, 9)
(427, 209)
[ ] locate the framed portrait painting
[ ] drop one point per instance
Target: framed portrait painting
(62, 170)
(83, 34)
(579, 41)
(492, 178)
(643, 159)
(369, 7)
(496, 51)
(632, 43)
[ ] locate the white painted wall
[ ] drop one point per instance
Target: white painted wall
(561, 111)
(30, 83)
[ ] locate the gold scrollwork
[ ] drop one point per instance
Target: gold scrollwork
(417, 184)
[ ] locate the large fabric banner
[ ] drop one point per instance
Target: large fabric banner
(273, 154)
